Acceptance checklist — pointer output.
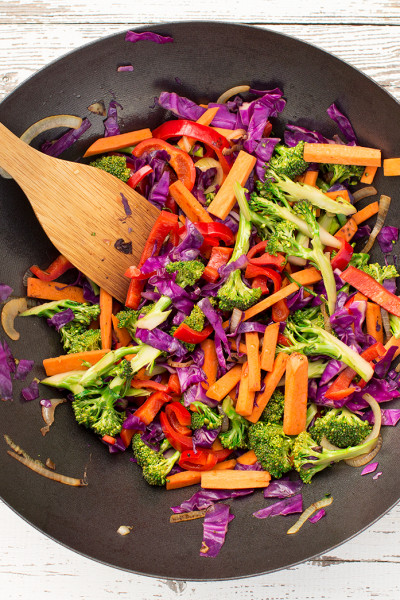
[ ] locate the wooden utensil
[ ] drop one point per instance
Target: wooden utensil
(80, 208)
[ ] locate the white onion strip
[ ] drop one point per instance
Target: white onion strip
(238, 89)
(384, 204)
(11, 309)
(48, 414)
(364, 192)
(308, 512)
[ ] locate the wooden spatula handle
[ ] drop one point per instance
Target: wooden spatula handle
(15, 156)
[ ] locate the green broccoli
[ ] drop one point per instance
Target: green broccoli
(273, 412)
(309, 458)
(84, 313)
(351, 174)
(67, 381)
(287, 161)
(77, 339)
(115, 165)
(195, 321)
(236, 436)
(128, 317)
(155, 466)
(205, 417)
(271, 447)
(187, 272)
(380, 272)
(359, 260)
(341, 427)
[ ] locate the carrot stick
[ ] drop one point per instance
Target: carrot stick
(248, 458)
(188, 203)
(210, 365)
(340, 154)
(269, 346)
(225, 384)
(105, 319)
(242, 347)
(271, 380)
(225, 198)
(310, 177)
(296, 393)
(186, 478)
(116, 142)
(234, 480)
(253, 358)
(338, 193)
(348, 230)
(121, 333)
(53, 290)
(391, 167)
(374, 323)
(245, 400)
(186, 143)
(369, 174)
(365, 213)
(72, 362)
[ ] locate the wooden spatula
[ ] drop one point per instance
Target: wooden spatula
(80, 208)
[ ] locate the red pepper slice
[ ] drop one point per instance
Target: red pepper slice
(367, 285)
(260, 281)
(253, 270)
(179, 417)
(283, 340)
(265, 259)
(219, 257)
(57, 268)
(184, 333)
(126, 436)
(221, 454)
(198, 460)
(177, 440)
(343, 257)
(280, 311)
(179, 160)
(149, 409)
(108, 439)
(140, 174)
(174, 386)
(202, 133)
(138, 384)
(216, 230)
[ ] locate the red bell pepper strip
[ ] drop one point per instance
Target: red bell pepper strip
(280, 311)
(267, 129)
(283, 340)
(343, 257)
(261, 281)
(177, 440)
(140, 174)
(149, 409)
(138, 384)
(367, 285)
(216, 230)
(202, 133)
(265, 259)
(184, 333)
(221, 454)
(256, 270)
(108, 439)
(126, 436)
(219, 257)
(179, 417)
(57, 268)
(174, 386)
(179, 160)
(198, 460)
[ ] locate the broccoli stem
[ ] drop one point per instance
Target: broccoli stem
(157, 315)
(106, 363)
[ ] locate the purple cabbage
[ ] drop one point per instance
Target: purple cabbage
(298, 134)
(31, 392)
(5, 376)
(381, 390)
(133, 36)
(390, 416)
(111, 127)
(5, 291)
(89, 294)
(188, 376)
(251, 326)
(9, 357)
(189, 247)
(215, 527)
(23, 368)
(387, 237)
(343, 123)
(117, 447)
(205, 498)
(165, 284)
(204, 438)
(123, 68)
(288, 506)
(65, 141)
(125, 204)
(196, 393)
(317, 516)
(241, 467)
(181, 107)
(362, 232)
(62, 318)
(333, 368)
(283, 488)
(133, 422)
(390, 285)
(159, 192)
(162, 341)
(383, 365)
(220, 336)
(370, 468)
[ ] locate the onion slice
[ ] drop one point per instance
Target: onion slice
(308, 512)
(98, 108)
(365, 192)
(179, 365)
(188, 516)
(11, 309)
(48, 414)
(238, 89)
(386, 324)
(236, 316)
(210, 163)
(384, 204)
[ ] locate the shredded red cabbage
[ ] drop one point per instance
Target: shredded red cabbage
(205, 498)
(215, 527)
(317, 516)
(282, 488)
(62, 318)
(23, 368)
(65, 141)
(343, 123)
(111, 123)
(5, 291)
(294, 504)
(133, 36)
(390, 416)
(31, 392)
(204, 438)
(188, 376)
(370, 468)
(5, 376)
(387, 237)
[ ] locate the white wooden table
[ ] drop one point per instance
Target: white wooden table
(367, 35)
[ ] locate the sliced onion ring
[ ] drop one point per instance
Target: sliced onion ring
(179, 365)
(48, 414)
(386, 324)
(52, 122)
(98, 108)
(210, 163)
(238, 89)
(308, 512)
(364, 192)
(10, 310)
(236, 316)
(365, 458)
(384, 204)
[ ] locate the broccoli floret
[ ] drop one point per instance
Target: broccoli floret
(187, 272)
(116, 165)
(380, 272)
(273, 412)
(394, 325)
(359, 260)
(84, 313)
(287, 161)
(341, 427)
(196, 319)
(205, 417)
(127, 319)
(236, 436)
(88, 339)
(309, 458)
(351, 174)
(155, 466)
(67, 381)
(271, 447)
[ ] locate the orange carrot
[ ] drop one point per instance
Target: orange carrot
(121, 333)
(225, 198)
(359, 297)
(53, 290)
(186, 478)
(338, 193)
(210, 365)
(225, 384)
(369, 174)
(269, 346)
(116, 142)
(348, 230)
(105, 319)
(245, 400)
(365, 213)
(186, 143)
(242, 347)
(234, 480)
(391, 167)
(253, 358)
(296, 393)
(373, 318)
(72, 362)
(248, 458)
(271, 381)
(340, 154)
(310, 178)
(188, 203)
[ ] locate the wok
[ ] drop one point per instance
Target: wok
(204, 60)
